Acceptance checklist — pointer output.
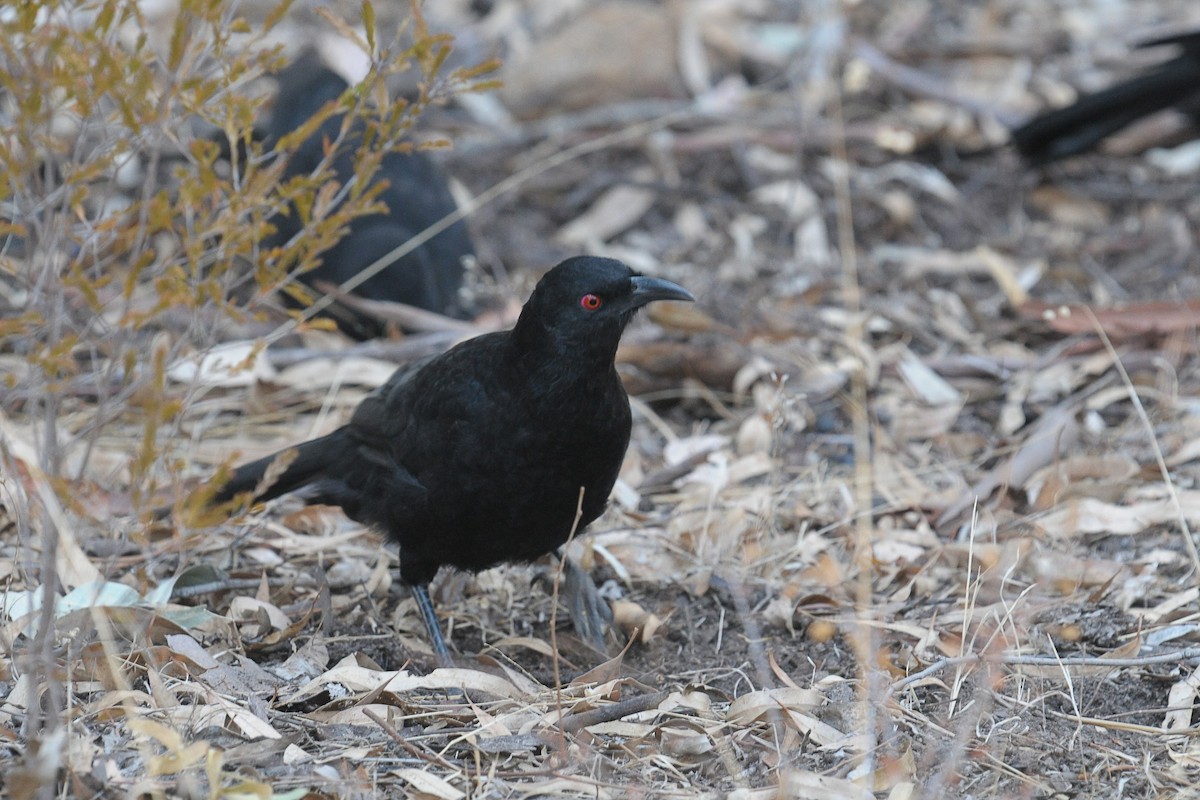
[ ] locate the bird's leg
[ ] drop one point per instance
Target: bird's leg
(587, 609)
(420, 593)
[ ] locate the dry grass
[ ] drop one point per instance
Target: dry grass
(908, 511)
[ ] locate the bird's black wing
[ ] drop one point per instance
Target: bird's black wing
(424, 397)
(380, 413)
(328, 467)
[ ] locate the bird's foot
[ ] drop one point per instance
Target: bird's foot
(420, 593)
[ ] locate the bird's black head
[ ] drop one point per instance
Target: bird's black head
(586, 302)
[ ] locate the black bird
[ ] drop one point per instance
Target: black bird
(417, 195)
(1079, 127)
(478, 456)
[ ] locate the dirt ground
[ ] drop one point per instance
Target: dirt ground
(910, 502)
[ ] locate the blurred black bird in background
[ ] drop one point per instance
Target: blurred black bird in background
(478, 456)
(417, 195)
(1081, 126)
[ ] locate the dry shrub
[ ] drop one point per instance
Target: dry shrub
(134, 199)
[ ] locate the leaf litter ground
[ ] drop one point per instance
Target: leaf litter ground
(916, 528)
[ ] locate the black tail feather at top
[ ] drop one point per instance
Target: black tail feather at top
(1081, 126)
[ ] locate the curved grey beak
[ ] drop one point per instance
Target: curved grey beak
(647, 290)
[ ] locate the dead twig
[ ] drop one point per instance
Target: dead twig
(612, 712)
(1190, 654)
(1188, 541)
(409, 747)
(402, 314)
(411, 348)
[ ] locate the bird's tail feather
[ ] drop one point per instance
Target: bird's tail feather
(287, 470)
(1079, 126)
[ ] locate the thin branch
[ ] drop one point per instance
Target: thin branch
(1188, 541)
(413, 750)
(612, 711)
(1179, 656)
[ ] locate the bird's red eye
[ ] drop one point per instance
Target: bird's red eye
(590, 301)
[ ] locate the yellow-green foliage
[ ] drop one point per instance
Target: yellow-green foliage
(118, 276)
